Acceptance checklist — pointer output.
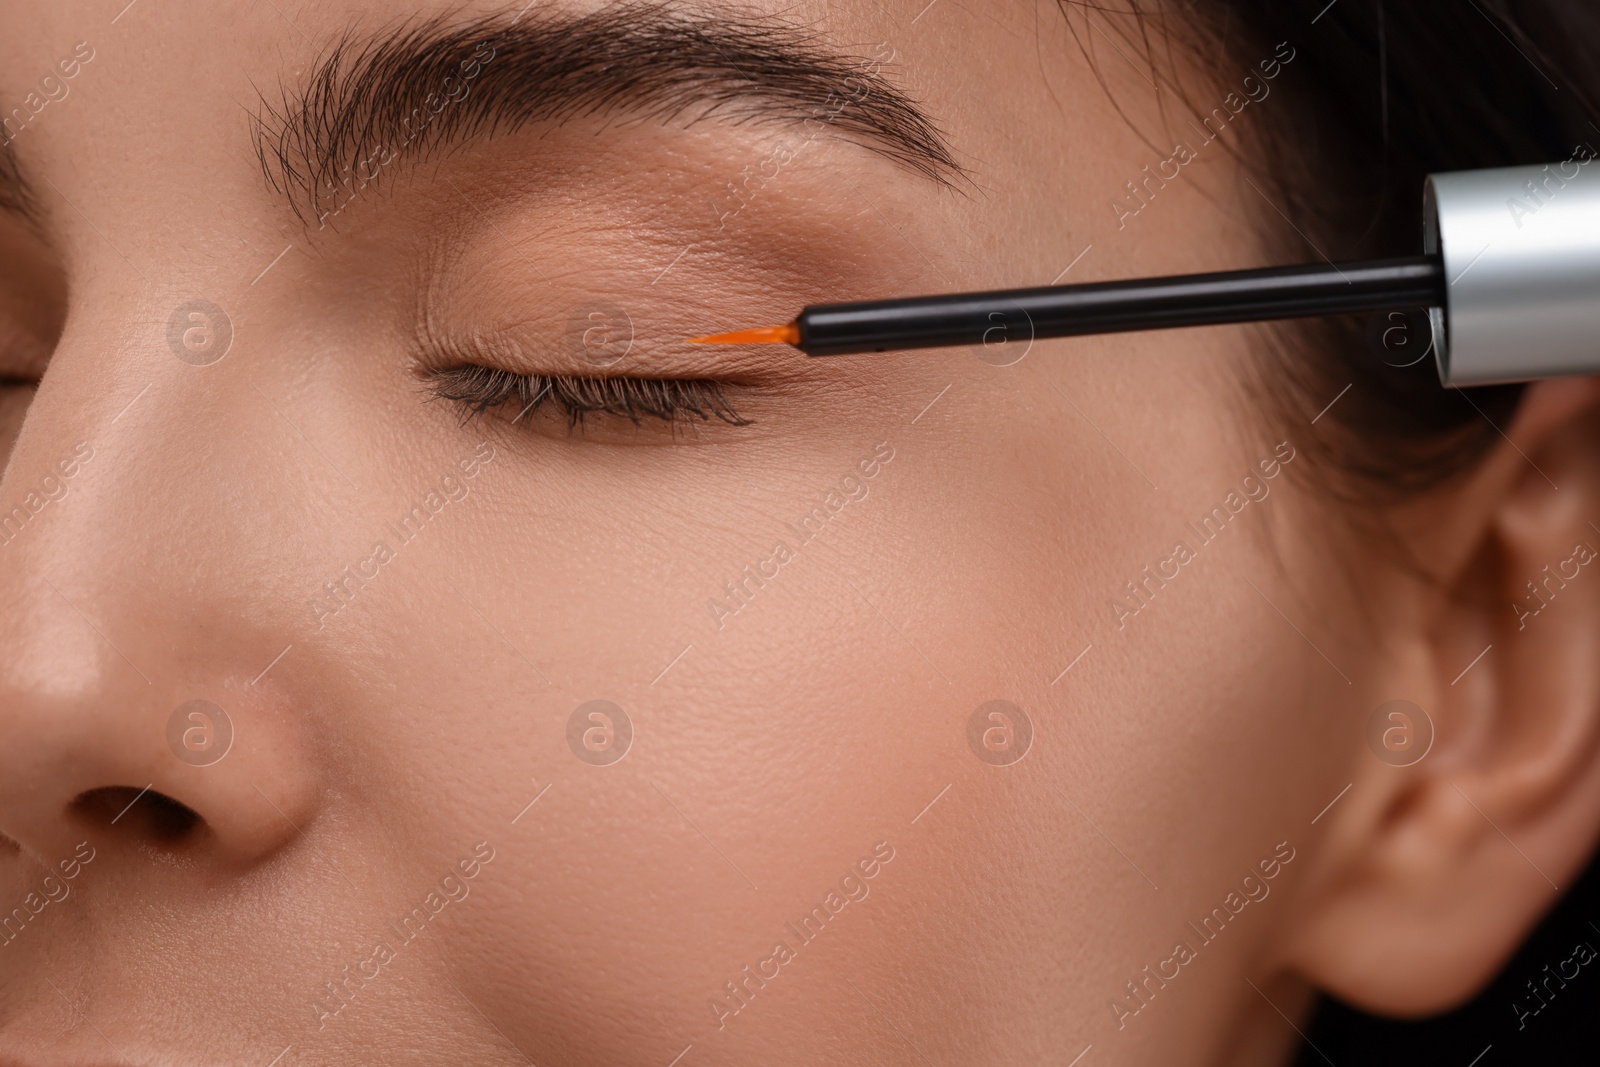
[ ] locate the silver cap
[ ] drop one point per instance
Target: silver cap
(1521, 251)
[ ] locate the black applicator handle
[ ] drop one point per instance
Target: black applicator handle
(1021, 315)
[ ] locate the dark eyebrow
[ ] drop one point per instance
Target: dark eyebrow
(398, 96)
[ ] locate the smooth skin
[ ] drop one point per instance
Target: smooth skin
(418, 730)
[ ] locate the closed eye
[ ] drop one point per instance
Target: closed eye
(477, 390)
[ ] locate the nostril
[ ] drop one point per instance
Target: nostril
(143, 812)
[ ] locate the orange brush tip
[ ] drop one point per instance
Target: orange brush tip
(766, 335)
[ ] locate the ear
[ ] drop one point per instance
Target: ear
(1430, 875)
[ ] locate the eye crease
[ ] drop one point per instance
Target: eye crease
(477, 390)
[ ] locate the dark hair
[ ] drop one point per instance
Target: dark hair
(1378, 96)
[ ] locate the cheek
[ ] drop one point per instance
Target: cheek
(1205, 692)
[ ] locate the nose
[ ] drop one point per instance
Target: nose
(95, 750)
(134, 709)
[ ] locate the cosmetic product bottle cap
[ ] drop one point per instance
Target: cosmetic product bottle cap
(1521, 252)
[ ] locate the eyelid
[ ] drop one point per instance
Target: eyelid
(476, 389)
(472, 369)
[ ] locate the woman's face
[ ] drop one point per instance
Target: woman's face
(910, 722)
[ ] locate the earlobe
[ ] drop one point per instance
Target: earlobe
(1432, 873)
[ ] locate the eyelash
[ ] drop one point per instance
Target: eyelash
(476, 390)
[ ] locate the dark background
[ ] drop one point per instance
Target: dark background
(1566, 1031)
